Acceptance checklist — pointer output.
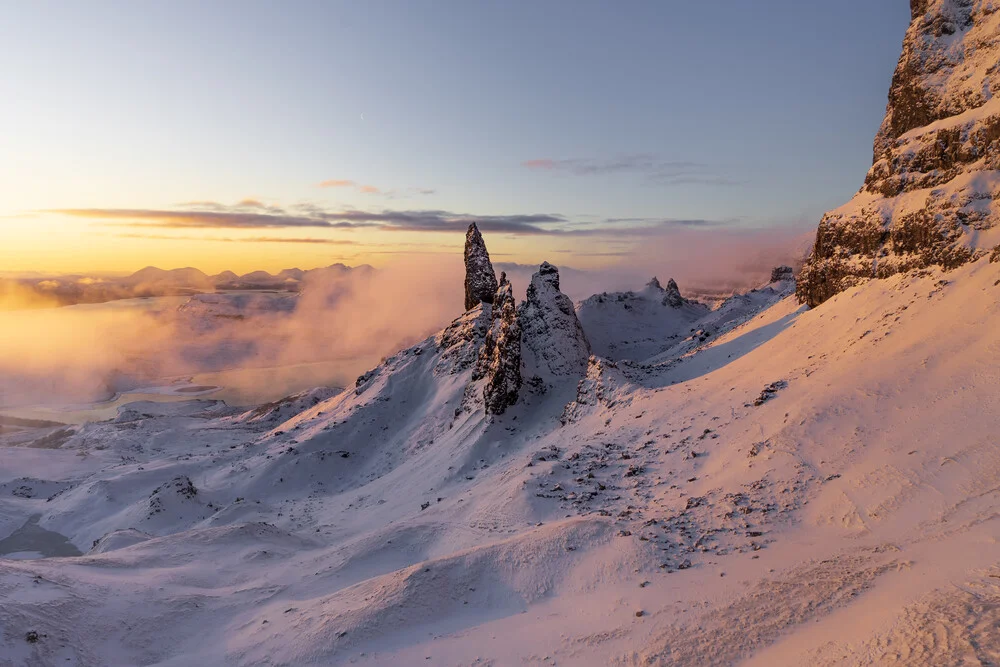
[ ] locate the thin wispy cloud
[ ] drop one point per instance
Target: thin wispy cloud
(392, 193)
(253, 239)
(651, 168)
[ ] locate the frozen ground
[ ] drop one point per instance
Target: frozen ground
(788, 487)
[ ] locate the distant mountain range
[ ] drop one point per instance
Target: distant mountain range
(152, 281)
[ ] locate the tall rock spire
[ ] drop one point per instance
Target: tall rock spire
(480, 280)
(500, 356)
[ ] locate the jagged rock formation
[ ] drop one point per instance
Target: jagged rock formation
(929, 197)
(672, 295)
(480, 279)
(500, 357)
(779, 273)
(554, 343)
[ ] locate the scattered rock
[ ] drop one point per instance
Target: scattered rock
(769, 392)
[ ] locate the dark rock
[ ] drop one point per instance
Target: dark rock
(782, 273)
(500, 357)
(480, 279)
(672, 295)
(769, 392)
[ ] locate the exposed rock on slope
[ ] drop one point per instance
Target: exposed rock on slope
(480, 280)
(555, 344)
(500, 356)
(638, 325)
(779, 273)
(929, 196)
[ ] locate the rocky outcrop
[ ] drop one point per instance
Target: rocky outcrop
(780, 273)
(500, 357)
(554, 344)
(669, 296)
(634, 326)
(931, 191)
(672, 295)
(480, 279)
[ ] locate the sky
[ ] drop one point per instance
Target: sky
(262, 135)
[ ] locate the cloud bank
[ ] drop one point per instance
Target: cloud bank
(218, 216)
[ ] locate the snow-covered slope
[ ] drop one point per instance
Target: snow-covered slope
(803, 487)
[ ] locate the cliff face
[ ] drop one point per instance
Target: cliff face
(929, 196)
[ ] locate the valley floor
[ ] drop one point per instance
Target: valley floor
(810, 487)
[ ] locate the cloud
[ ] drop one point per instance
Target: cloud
(543, 163)
(255, 239)
(196, 219)
(653, 169)
(217, 216)
(374, 190)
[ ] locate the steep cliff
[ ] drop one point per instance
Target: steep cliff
(929, 196)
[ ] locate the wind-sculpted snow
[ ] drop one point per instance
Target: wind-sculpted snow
(929, 197)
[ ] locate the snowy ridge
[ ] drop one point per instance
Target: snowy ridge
(637, 325)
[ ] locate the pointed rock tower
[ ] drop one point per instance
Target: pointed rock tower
(934, 184)
(480, 280)
(555, 344)
(672, 295)
(500, 356)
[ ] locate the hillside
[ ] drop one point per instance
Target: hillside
(807, 486)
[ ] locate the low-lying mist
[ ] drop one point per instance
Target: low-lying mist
(339, 326)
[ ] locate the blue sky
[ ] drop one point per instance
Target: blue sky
(748, 113)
